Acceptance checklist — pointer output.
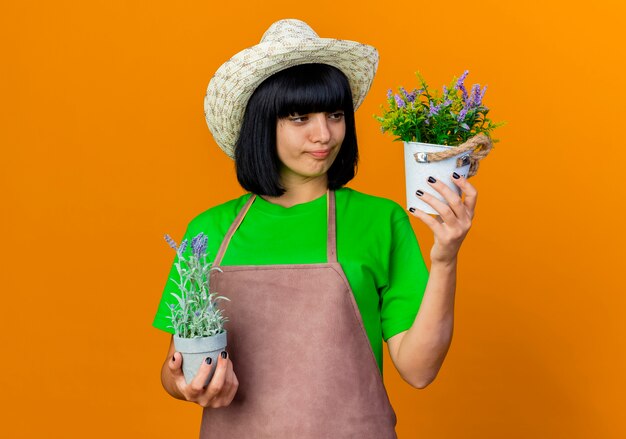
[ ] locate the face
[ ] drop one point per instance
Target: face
(307, 144)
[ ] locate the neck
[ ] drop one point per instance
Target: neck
(301, 191)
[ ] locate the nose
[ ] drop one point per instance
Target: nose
(320, 131)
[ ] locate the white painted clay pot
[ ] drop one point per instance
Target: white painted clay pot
(417, 170)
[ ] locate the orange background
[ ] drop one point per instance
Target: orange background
(105, 149)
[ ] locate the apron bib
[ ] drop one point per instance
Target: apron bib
(305, 366)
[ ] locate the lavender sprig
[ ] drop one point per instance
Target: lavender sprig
(194, 313)
(459, 85)
(199, 244)
(171, 242)
(399, 102)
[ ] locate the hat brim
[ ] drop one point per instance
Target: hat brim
(234, 82)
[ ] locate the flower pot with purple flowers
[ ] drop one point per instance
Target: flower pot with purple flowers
(197, 321)
(441, 135)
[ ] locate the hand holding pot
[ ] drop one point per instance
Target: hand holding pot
(218, 393)
(454, 220)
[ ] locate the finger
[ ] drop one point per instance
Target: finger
(455, 203)
(234, 387)
(197, 384)
(227, 393)
(432, 222)
(217, 381)
(471, 194)
(175, 366)
(440, 207)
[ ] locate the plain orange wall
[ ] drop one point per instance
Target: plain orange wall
(105, 149)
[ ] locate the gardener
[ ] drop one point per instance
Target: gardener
(317, 274)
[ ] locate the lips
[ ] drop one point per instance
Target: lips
(320, 153)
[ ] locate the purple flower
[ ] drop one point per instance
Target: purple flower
(410, 97)
(462, 114)
(197, 313)
(434, 109)
(400, 102)
(198, 243)
(170, 241)
(482, 95)
(445, 90)
(389, 94)
(463, 93)
(447, 102)
(459, 82)
(474, 99)
(459, 85)
(183, 247)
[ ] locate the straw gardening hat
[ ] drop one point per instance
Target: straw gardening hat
(285, 44)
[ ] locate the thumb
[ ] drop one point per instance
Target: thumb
(176, 364)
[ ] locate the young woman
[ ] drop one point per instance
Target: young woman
(317, 274)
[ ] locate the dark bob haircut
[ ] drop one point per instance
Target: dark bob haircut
(302, 89)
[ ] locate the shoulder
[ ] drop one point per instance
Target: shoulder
(374, 205)
(218, 214)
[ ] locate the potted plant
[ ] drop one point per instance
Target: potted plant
(441, 134)
(197, 321)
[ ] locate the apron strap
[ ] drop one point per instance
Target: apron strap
(331, 240)
(231, 231)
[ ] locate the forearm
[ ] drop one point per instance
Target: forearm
(424, 346)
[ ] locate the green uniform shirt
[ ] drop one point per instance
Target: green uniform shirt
(376, 247)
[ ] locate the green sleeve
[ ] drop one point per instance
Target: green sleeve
(408, 275)
(161, 320)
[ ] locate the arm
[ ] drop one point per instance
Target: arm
(418, 352)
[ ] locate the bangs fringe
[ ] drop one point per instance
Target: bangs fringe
(311, 88)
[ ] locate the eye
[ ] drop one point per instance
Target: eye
(298, 118)
(337, 115)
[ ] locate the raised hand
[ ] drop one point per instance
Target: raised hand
(454, 220)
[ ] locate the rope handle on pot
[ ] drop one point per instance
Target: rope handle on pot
(480, 145)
